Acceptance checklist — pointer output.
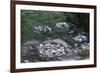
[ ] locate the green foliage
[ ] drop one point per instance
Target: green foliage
(81, 20)
(32, 18)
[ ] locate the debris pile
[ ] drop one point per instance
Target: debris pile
(53, 50)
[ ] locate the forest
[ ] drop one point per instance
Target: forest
(54, 36)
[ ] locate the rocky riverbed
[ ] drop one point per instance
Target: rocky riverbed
(53, 50)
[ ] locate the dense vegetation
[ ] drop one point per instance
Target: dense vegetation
(78, 22)
(52, 36)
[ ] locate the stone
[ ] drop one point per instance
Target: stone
(80, 38)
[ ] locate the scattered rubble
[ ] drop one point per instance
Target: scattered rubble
(62, 25)
(53, 50)
(42, 28)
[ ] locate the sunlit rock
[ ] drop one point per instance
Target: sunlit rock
(80, 38)
(53, 50)
(40, 29)
(62, 25)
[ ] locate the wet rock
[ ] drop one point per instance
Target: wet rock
(62, 25)
(80, 38)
